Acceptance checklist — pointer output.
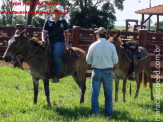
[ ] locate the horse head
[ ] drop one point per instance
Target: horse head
(115, 39)
(15, 46)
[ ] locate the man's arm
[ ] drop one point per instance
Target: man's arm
(44, 36)
(114, 55)
(45, 31)
(89, 55)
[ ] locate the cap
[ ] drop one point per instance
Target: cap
(101, 30)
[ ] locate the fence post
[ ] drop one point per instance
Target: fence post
(143, 37)
(20, 27)
(76, 35)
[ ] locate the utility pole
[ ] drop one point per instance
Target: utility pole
(149, 22)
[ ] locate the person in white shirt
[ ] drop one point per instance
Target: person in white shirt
(102, 56)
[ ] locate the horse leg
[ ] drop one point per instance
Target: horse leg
(116, 89)
(151, 87)
(46, 89)
(124, 89)
(80, 80)
(148, 75)
(138, 85)
(35, 84)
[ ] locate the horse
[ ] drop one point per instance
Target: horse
(40, 63)
(121, 69)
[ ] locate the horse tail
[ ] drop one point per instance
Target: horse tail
(144, 79)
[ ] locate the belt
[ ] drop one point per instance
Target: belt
(104, 69)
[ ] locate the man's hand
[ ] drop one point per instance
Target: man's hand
(67, 46)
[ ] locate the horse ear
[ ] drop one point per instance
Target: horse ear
(117, 34)
(23, 32)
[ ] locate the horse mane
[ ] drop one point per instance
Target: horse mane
(36, 41)
(120, 41)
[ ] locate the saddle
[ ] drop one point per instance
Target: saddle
(67, 56)
(133, 52)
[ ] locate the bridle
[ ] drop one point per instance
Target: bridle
(25, 52)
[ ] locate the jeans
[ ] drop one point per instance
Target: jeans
(58, 48)
(105, 76)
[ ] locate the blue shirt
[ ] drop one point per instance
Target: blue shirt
(102, 54)
(55, 29)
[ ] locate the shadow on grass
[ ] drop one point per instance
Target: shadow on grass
(153, 107)
(81, 111)
(75, 112)
(122, 115)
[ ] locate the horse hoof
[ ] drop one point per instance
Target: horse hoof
(49, 106)
(152, 98)
(124, 101)
(135, 97)
(81, 102)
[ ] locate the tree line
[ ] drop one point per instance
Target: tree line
(84, 13)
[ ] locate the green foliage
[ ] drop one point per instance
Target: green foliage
(1, 21)
(87, 14)
(16, 101)
(93, 17)
(160, 26)
(18, 19)
(38, 22)
(160, 29)
(119, 4)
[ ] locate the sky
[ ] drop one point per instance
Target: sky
(130, 6)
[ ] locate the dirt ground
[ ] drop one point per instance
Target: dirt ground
(3, 63)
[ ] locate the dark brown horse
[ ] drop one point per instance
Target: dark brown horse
(122, 68)
(41, 64)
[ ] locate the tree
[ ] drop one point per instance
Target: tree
(1, 21)
(87, 14)
(160, 26)
(3, 16)
(38, 22)
(32, 8)
(7, 7)
(18, 19)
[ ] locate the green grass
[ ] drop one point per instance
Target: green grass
(16, 101)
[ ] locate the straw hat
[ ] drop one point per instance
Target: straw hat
(58, 8)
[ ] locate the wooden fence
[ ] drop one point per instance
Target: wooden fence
(82, 38)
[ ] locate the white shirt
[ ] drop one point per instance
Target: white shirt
(102, 54)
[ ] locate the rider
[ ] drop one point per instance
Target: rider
(57, 30)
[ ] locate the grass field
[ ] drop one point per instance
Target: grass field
(16, 101)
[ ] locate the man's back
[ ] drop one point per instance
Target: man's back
(102, 54)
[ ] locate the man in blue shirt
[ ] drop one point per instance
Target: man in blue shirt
(102, 57)
(57, 29)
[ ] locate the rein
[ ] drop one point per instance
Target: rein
(29, 57)
(34, 52)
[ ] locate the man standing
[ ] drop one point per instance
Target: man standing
(102, 56)
(57, 29)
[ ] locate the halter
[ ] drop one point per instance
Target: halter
(26, 50)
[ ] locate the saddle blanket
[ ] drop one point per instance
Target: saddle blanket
(140, 55)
